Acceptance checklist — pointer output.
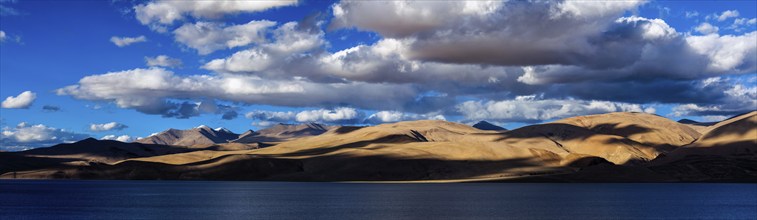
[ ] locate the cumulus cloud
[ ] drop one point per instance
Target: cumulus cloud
(229, 115)
(706, 28)
(23, 100)
(163, 60)
(696, 57)
(434, 54)
(741, 24)
(2, 36)
(500, 33)
(111, 126)
(396, 116)
(534, 109)
(276, 116)
(122, 138)
(728, 14)
(561, 49)
(154, 91)
(160, 13)
(27, 136)
(727, 53)
(737, 98)
(126, 41)
(207, 37)
(291, 39)
(691, 14)
(340, 115)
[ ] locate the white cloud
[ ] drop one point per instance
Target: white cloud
(271, 116)
(740, 24)
(324, 115)
(122, 138)
(728, 14)
(341, 115)
(25, 135)
(396, 116)
(163, 60)
(207, 37)
(739, 97)
(570, 48)
(691, 14)
(706, 28)
(532, 109)
(290, 41)
(148, 91)
(728, 53)
(500, 33)
(111, 126)
(696, 57)
(2, 36)
(23, 100)
(441, 52)
(160, 13)
(126, 41)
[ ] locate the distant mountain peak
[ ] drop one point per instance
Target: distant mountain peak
(222, 129)
(203, 126)
(687, 121)
(89, 139)
(484, 125)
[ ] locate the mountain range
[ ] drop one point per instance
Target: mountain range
(613, 147)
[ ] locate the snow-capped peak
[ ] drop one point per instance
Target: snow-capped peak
(203, 126)
(222, 129)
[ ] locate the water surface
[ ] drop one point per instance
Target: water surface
(56, 199)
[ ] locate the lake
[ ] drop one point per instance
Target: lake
(74, 199)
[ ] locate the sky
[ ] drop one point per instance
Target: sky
(127, 69)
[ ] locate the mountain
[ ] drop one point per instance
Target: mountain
(85, 151)
(201, 136)
(622, 147)
(727, 151)
(281, 132)
(700, 127)
(648, 129)
(484, 125)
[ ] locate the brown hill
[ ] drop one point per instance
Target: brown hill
(727, 151)
(87, 150)
(700, 127)
(648, 129)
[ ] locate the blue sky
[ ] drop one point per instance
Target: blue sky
(388, 72)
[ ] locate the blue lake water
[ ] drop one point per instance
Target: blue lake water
(55, 199)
